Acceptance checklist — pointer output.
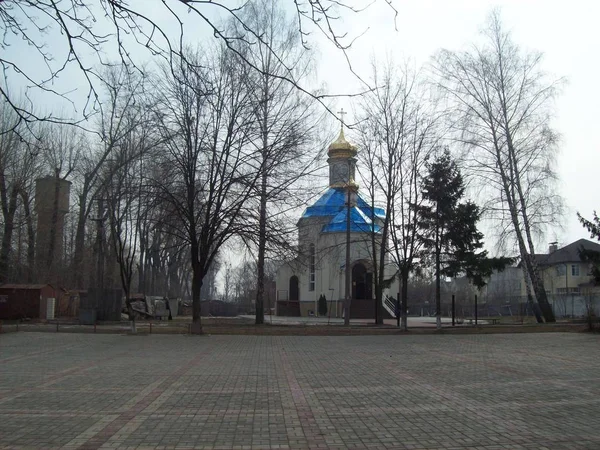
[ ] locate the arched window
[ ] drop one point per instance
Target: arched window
(311, 267)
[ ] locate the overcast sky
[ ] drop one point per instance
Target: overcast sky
(566, 32)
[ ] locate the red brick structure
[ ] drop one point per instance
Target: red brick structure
(27, 301)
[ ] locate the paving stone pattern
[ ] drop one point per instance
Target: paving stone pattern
(522, 391)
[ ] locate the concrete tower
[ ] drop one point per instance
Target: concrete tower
(51, 205)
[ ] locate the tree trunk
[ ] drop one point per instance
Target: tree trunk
(9, 225)
(538, 284)
(130, 313)
(262, 244)
(404, 301)
(376, 266)
(197, 277)
(508, 185)
(539, 290)
(262, 225)
(78, 266)
(142, 264)
(30, 237)
(196, 304)
(50, 262)
(438, 297)
(100, 247)
(381, 274)
(174, 290)
(538, 317)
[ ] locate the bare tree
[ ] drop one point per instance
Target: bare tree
(123, 187)
(60, 148)
(244, 283)
(501, 102)
(124, 92)
(91, 29)
(17, 169)
(207, 173)
(398, 129)
(27, 201)
(284, 117)
(122, 194)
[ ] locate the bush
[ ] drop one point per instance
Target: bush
(593, 321)
(322, 305)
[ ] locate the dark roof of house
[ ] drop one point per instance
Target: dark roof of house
(24, 286)
(568, 253)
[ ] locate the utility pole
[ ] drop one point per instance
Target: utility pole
(348, 273)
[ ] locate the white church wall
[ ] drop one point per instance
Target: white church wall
(330, 248)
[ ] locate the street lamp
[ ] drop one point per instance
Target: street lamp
(350, 200)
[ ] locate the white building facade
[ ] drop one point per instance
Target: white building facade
(320, 265)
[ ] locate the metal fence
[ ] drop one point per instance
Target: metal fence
(564, 306)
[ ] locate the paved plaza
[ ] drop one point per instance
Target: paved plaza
(66, 390)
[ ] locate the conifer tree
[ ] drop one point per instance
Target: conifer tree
(587, 255)
(449, 231)
(322, 305)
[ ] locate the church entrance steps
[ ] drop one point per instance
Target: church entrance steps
(389, 305)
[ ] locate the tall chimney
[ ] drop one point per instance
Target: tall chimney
(553, 247)
(51, 205)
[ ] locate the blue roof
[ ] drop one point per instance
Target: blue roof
(359, 222)
(332, 204)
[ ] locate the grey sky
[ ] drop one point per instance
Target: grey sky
(566, 32)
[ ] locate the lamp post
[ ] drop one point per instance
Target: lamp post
(347, 180)
(351, 188)
(348, 281)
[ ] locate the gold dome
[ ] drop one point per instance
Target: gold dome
(341, 146)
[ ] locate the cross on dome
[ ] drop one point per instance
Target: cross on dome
(342, 113)
(341, 144)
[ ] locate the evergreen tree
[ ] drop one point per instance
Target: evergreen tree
(590, 256)
(322, 305)
(448, 227)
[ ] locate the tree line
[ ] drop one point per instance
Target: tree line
(182, 159)
(491, 105)
(215, 144)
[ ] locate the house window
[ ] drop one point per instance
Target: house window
(575, 270)
(311, 270)
(560, 271)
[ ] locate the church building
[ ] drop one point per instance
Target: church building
(320, 265)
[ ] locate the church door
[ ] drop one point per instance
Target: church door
(294, 289)
(362, 306)
(291, 306)
(359, 282)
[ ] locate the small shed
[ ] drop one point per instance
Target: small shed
(68, 304)
(28, 301)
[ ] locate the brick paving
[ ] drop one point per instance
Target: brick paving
(79, 391)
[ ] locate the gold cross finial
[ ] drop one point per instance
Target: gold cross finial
(342, 113)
